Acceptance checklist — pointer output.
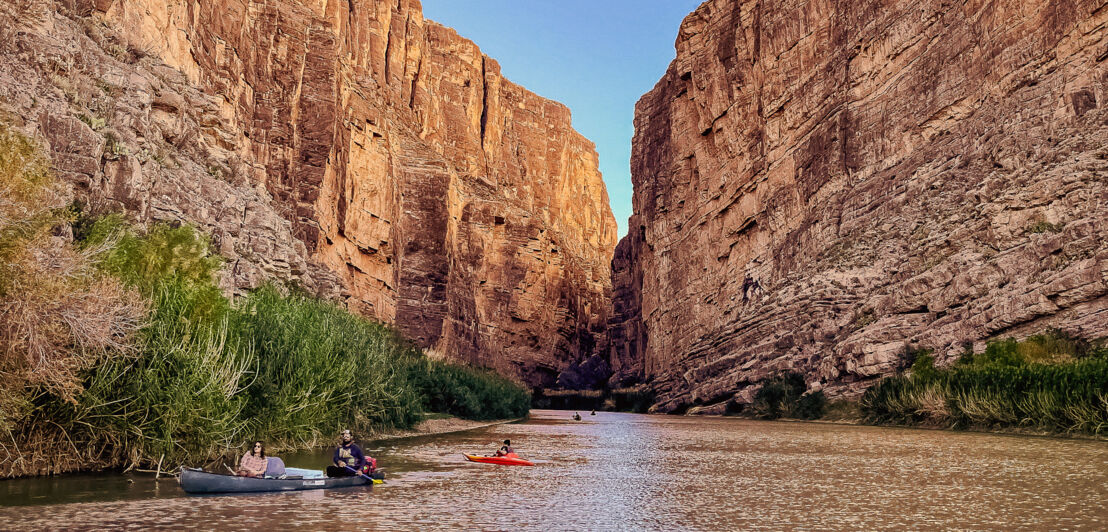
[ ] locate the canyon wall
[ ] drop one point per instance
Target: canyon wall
(822, 186)
(353, 147)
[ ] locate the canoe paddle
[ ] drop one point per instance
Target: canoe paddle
(363, 475)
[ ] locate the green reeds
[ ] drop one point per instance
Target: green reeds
(1007, 386)
(320, 369)
(179, 397)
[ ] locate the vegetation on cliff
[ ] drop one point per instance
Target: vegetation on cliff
(117, 348)
(59, 314)
(1050, 382)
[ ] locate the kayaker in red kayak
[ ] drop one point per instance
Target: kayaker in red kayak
(506, 449)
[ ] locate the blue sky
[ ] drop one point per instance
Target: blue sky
(596, 56)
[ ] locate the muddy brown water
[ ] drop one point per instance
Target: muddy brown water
(618, 471)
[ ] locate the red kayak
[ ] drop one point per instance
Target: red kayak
(508, 459)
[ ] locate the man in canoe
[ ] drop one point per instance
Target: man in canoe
(253, 463)
(505, 449)
(347, 454)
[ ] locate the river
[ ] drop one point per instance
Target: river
(616, 471)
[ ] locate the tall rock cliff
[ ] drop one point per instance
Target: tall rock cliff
(351, 146)
(820, 186)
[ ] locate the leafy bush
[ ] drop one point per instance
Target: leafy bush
(782, 395)
(467, 392)
(810, 406)
(166, 254)
(1043, 226)
(923, 368)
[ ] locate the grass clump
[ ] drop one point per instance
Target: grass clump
(1051, 382)
(1043, 226)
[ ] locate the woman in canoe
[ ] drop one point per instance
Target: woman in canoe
(253, 463)
(505, 449)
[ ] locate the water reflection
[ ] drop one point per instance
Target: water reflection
(624, 471)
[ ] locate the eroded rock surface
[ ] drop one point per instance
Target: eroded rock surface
(820, 184)
(354, 147)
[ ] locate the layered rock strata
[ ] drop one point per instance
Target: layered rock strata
(821, 186)
(353, 147)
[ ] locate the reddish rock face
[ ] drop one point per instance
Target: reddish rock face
(820, 184)
(352, 146)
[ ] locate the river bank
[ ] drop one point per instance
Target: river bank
(860, 421)
(1050, 384)
(436, 426)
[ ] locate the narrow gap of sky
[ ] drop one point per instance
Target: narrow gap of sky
(595, 56)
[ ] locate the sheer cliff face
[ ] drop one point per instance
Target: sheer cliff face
(820, 184)
(390, 159)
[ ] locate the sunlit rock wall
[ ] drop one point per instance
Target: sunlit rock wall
(820, 185)
(353, 147)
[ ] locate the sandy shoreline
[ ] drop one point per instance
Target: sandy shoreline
(438, 426)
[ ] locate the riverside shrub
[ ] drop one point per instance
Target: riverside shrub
(177, 396)
(783, 395)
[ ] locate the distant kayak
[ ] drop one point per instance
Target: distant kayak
(508, 459)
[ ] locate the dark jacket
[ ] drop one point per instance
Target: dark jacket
(351, 455)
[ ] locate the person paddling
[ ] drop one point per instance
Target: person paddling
(505, 449)
(253, 463)
(348, 454)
